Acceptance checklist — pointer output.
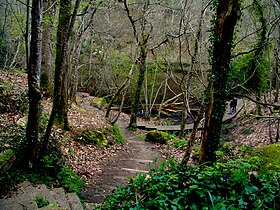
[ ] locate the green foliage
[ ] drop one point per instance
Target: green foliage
(23, 102)
(41, 202)
(13, 137)
(177, 142)
(70, 180)
(254, 79)
(117, 134)
(95, 137)
(6, 155)
(120, 63)
(4, 50)
(231, 185)
(156, 136)
(6, 159)
(141, 137)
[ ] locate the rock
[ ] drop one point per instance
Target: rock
(94, 137)
(270, 156)
(156, 136)
(99, 103)
(27, 197)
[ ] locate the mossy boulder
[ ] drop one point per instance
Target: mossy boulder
(156, 136)
(95, 137)
(99, 103)
(270, 155)
(7, 158)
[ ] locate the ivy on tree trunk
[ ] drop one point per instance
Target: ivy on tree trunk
(141, 65)
(228, 12)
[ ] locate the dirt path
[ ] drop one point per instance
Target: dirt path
(139, 157)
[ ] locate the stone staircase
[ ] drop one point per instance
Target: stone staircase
(25, 199)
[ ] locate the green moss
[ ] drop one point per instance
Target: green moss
(95, 137)
(6, 159)
(117, 134)
(157, 136)
(270, 155)
(99, 103)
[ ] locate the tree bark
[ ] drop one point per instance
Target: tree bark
(34, 83)
(47, 62)
(141, 65)
(60, 103)
(228, 12)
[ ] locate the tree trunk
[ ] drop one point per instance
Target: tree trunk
(228, 12)
(34, 83)
(60, 103)
(141, 65)
(26, 35)
(47, 62)
(276, 66)
(193, 134)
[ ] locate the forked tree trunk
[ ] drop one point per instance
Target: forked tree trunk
(60, 103)
(34, 93)
(228, 12)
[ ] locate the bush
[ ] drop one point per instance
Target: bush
(70, 181)
(232, 185)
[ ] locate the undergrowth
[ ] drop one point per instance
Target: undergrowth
(117, 134)
(50, 169)
(237, 184)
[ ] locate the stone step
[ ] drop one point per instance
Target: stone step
(25, 199)
(74, 201)
(60, 198)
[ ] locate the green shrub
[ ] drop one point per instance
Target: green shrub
(231, 185)
(156, 136)
(117, 134)
(177, 142)
(95, 137)
(41, 202)
(70, 181)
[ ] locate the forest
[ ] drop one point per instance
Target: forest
(139, 104)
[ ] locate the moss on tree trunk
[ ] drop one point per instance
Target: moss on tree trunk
(141, 65)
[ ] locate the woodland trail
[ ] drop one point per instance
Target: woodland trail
(139, 157)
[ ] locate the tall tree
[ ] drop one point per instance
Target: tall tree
(34, 93)
(227, 14)
(47, 29)
(60, 103)
(141, 41)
